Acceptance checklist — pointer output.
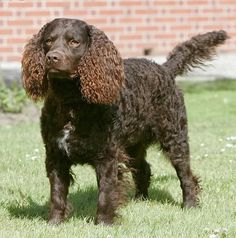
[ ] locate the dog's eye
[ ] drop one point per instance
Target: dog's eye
(74, 43)
(48, 42)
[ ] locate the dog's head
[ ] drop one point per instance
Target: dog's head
(73, 50)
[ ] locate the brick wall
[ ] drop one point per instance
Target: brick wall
(135, 26)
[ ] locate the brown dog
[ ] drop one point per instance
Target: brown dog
(102, 110)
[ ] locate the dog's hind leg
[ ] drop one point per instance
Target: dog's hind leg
(141, 171)
(178, 153)
(173, 138)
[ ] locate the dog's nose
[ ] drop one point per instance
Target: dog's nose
(53, 57)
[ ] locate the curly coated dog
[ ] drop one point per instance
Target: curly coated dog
(105, 111)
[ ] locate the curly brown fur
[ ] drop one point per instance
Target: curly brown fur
(33, 65)
(102, 82)
(103, 111)
(192, 53)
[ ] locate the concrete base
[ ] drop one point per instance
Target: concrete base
(10, 72)
(224, 66)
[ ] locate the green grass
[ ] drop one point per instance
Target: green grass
(12, 97)
(24, 188)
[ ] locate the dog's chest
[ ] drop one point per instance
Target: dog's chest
(64, 138)
(81, 138)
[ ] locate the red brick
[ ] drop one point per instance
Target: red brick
(20, 22)
(232, 35)
(113, 29)
(165, 3)
(31, 31)
(120, 45)
(96, 21)
(144, 45)
(37, 13)
(95, 3)
(127, 53)
(57, 4)
(75, 12)
(213, 10)
(197, 2)
(5, 13)
(131, 20)
(146, 11)
(16, 58)
(198, 19)
(164, 36)
(6, 31)
(16, 41)
(125, 3)
(147, 28)
(213, 27)
(6, 49)
(131, 37)
(181, 27)
(181, 11)
(20, 4)
(227, 18)
(165, 19)
(111, 12)
(155, 24)
(228, 2)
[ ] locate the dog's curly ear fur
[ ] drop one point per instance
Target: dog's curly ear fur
(33, 69)
(101, 69)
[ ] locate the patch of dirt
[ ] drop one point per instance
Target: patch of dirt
(30, 113)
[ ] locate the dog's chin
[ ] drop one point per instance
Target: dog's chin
(60, 74)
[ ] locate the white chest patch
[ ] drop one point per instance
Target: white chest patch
(62, 141)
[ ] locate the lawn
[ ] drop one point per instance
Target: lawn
(24, 188)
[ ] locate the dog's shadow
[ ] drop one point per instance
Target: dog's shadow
(84, 203)
(161, 195)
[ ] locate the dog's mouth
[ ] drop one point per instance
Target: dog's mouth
(60, 74)
(54, 70)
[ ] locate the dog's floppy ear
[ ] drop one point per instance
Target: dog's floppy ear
(101, 69)
(33, 69)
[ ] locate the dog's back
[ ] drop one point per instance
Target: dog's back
(149, 91)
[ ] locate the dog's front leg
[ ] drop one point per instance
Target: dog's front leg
(108, 185)
(59, 177)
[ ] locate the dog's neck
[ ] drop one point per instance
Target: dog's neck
(65, 89)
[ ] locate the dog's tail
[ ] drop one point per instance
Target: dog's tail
(192, 53)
